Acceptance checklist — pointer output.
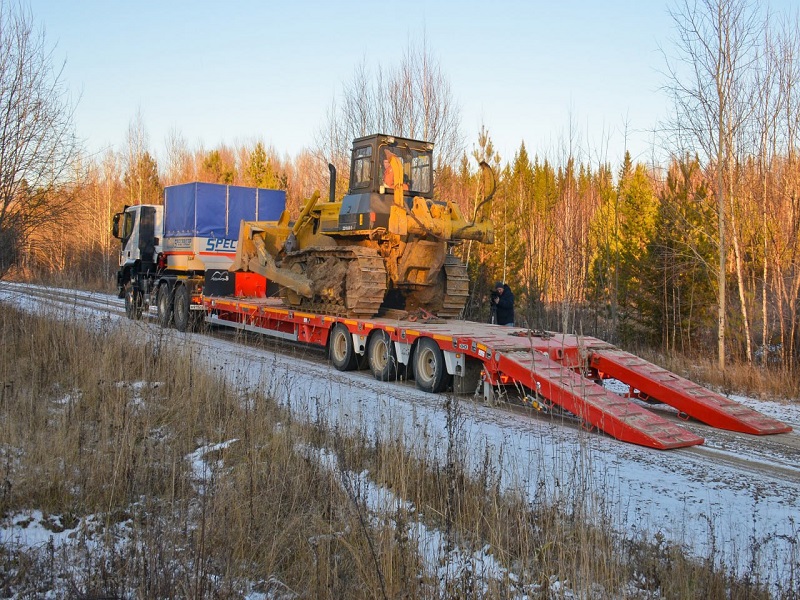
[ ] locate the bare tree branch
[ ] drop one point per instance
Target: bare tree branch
(37, 142)
(413, 100)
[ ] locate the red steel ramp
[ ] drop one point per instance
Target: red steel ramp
(689, 398)
(593, 404)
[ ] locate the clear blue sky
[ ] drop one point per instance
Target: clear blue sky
(232, 72)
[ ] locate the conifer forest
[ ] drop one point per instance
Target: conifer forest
(692, 249)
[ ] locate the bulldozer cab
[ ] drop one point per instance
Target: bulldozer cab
(380, 163)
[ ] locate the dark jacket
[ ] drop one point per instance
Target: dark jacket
(505, 307)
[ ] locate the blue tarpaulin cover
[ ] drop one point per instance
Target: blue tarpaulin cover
(215, 210)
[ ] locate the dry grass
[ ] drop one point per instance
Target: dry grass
(93, 424)
(773, 383)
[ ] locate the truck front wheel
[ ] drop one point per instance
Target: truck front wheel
(134, 304)
(164, 304)
(180, 311)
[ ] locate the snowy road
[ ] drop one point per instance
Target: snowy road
(737, 496)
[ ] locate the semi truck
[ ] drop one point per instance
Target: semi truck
(373, 280)
(171, 253)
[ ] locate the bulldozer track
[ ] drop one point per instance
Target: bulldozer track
(354, 287)
(456, 287)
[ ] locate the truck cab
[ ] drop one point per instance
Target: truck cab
(140, 229)
(167, 251)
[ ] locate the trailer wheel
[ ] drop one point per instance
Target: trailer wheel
(430, 372)
(134, 302)
(180, 311)
(164, 305)
(382, 357)
(341, 349)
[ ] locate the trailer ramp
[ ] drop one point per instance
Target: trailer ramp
(560, 366)
(691, 400)
(595, 406)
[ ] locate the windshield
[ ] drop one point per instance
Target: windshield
(417, 168)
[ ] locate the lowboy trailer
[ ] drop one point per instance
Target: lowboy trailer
(358, 277)
(548, 371)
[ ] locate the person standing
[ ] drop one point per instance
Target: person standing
(503, 299)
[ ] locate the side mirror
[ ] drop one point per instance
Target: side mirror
(115, 226)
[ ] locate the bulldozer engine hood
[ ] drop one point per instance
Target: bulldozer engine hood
(365, 211)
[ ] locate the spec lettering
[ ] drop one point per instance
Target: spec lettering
(220, 245)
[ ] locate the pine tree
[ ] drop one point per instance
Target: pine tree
(603, 240)
(680, 304)
(261, 172)
(142, 183)
(622, 230)
(520, 237)
(544, 199)
(215, 170)
(484, 262)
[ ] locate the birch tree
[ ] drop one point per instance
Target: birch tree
(37, 140)
(412, 99)
(709, 81)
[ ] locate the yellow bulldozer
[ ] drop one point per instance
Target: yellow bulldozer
(388, 244)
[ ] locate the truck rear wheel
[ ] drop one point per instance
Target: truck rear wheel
(382, 357)
(134, 302)
(164, 305)
(430, 371)
(341, 349)
(181, 304)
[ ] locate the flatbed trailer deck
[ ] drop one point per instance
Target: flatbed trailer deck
(550, 369)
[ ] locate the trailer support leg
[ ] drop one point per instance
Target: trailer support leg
(487, 390)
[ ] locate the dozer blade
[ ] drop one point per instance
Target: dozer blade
(245, 249)
(252, 254)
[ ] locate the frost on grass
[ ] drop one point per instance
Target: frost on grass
(110, 555)
(442, 561)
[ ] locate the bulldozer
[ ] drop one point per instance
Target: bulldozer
(386, 245)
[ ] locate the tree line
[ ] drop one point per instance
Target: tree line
(696, 252)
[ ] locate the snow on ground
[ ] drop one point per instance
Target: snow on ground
(445, 565)
(711, 498)
(691, 498)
